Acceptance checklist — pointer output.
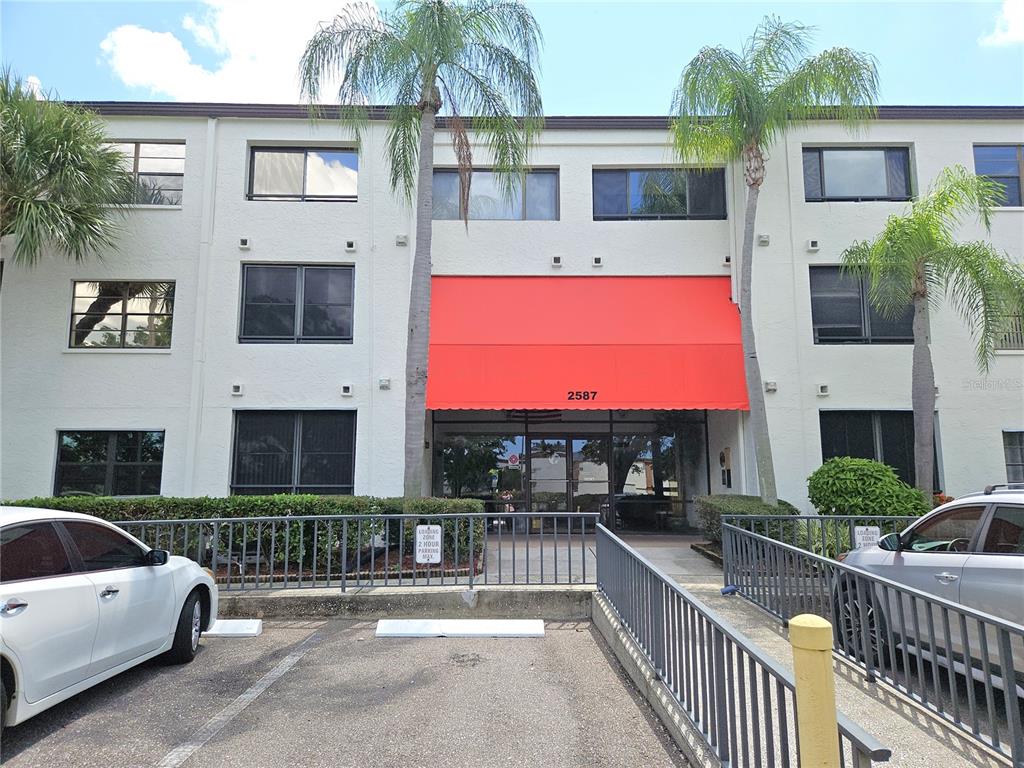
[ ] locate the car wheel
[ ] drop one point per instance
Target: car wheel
(853, 619)
(186, 635)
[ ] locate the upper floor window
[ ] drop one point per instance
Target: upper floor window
(1013, 451)
(298, 173)
(842, 314)
(122, 314)
(536, 200)
(296, 304)
(158, 168)
(1003, 165)
(1013, 335)
(107, 463)
(659, 193)
(861, 173)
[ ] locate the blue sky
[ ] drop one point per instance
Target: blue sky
(599, 57)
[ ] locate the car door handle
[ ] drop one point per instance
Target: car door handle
(109, 592)
(12, 605)
(946, 578)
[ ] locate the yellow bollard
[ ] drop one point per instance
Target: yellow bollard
(811, 638)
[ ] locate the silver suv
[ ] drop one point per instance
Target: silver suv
(969, 551)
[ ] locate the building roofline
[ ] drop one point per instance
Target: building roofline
(564, 122)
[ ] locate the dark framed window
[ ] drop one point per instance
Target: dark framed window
(296, 304)
(1003, 165)
(158, 168)
(294, 452)
(32, 551)
(659, 193)
(303, 173)
(841, 312)
(885, 436)
(122, 314)
(1013, 451)
(102, 549)
(109, 463)
(856, 173)
(1005, 535)
(534, 200)
(950, 531)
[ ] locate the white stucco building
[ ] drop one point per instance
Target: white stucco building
(248, 333)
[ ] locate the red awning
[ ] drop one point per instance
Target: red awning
(584, 343)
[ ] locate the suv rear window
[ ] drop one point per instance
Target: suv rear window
(1006, 532)
(31, 551)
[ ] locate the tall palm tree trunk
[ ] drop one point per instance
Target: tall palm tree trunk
(922, 392)
(754, 175)
(419, 309)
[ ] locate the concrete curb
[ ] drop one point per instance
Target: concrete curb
(710, 554)
(678, 724)
(555, 603)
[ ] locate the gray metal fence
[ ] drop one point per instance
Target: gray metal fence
(965, 666)
(350, 551)
(738, 698)
(827, 535)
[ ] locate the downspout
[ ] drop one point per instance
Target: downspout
(201, 275)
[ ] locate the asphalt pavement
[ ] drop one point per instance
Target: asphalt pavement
(329, 693)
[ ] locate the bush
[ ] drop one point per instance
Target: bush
(711, 509)
(300, 538)
(862, 488)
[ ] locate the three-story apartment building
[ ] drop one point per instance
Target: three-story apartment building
(247, 336)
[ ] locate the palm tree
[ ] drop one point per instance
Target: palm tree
(917, 260)
(733, 107)
(62, 186)
(428, 58)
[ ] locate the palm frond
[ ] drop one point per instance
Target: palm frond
(837, 84)
(711, 107)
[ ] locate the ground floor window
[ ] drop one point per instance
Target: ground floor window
(1013, 450)
(885, 436)
(636, 474)
(294, 452)
(109, 463)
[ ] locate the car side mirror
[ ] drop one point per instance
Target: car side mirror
(157, 557)
(890, 542)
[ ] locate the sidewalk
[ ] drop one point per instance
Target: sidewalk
(915, 737)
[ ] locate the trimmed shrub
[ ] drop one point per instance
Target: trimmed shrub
(711, 508)
(301, 539)
(862, 488)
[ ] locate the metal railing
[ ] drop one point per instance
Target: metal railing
(350, 551)
(965, 666)
(827, 535)
(739, 700)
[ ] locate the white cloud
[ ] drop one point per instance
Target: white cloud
(1009, 25)
(258, 44)
(34, 86)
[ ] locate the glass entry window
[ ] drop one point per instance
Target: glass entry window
(644, 478)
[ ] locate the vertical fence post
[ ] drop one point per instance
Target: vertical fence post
(811, 638)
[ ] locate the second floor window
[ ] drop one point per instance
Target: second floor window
(659, 193)
(305, 174)
(534, 200)
(122, 314)
(296, 304)
(158, 168)
(855, 174)
(842, 314)
(1003, 165)
(1013, 450)
(1012, 336)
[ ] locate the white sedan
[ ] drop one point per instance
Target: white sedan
(82, 601)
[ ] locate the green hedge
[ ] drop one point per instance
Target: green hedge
(711, 508)
(862, 488)
(303, 537)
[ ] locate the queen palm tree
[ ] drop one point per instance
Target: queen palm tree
(916, 260)
(473, 63)
(62, 186)
(733, 107)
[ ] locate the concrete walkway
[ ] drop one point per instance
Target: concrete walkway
(915, 737)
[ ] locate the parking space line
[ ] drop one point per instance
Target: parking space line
(186, 749)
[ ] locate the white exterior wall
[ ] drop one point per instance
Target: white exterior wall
(45, 387)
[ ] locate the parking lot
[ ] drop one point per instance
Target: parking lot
(329, 693)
